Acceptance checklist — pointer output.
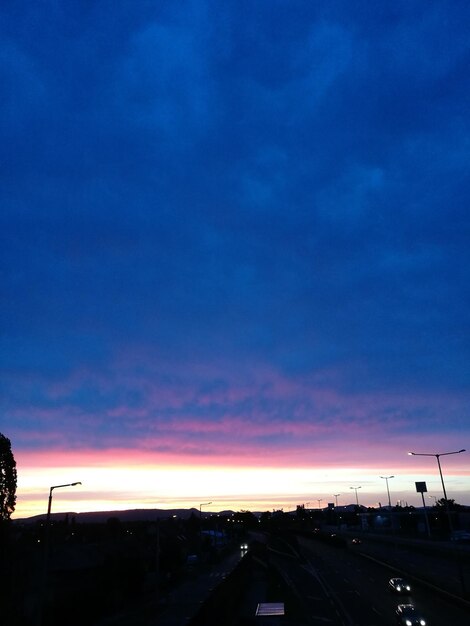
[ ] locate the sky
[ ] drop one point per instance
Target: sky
(235, 251)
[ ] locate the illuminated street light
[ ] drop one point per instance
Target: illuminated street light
(437, 455)
(355, 489)
(438, 463)
(386, 478)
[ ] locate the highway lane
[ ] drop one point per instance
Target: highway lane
(448, 568)
(331, 586)
(359, 588)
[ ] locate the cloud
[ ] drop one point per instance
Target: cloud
(234, 232)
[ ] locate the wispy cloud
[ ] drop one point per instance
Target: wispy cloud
(234, 234)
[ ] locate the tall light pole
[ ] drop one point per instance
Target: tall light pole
(46, 548)
(49, 504)
(335, 495)
(438, 464)
(200, 521)
(437, 455)
(355, 489)
(387, 478)
(319, 502)
(200, 508)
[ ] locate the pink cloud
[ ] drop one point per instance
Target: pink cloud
(215, 414)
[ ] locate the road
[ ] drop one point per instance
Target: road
(340, 586)
(324, 585)
(448, 569)
(176, 608)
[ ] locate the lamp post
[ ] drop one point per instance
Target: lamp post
(437, 455)
(355, 489)
(319, 502)
(335, 496)
(387, 478)
(49, 504)
(46, 548)
(200, 522)
(200, 508)
(438, 464)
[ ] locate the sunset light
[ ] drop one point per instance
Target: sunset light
(235, 253)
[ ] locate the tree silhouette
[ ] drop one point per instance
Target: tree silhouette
(7, 479)
(450, 503)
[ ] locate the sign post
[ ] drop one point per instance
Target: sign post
(422, 489)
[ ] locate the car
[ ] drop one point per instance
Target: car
(408, 615)
(356, 540)
(244, 546)
(399, 585)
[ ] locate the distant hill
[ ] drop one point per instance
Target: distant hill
(132, 515)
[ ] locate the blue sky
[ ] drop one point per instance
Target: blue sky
(235, 233)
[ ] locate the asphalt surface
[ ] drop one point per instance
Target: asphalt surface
(358, 587)
(323, 585)
(181, 604)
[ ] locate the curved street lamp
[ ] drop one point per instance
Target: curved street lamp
(355, 489)
(49, 505)
(437, 455)
(43, 581)
(386, 478)
(438, 463)
(200, 507)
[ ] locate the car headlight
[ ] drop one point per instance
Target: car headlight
(422, 622)
(408, 623)
(398, 588)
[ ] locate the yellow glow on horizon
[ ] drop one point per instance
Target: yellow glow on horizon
(107, 487)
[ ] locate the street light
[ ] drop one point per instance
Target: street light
(355, 489)
(200, 522)
(319, 502)
(200, 508)
(386, 478)
(335, 495)
(49, 505)
(437, 455)
(45, 563)
(438, 463)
